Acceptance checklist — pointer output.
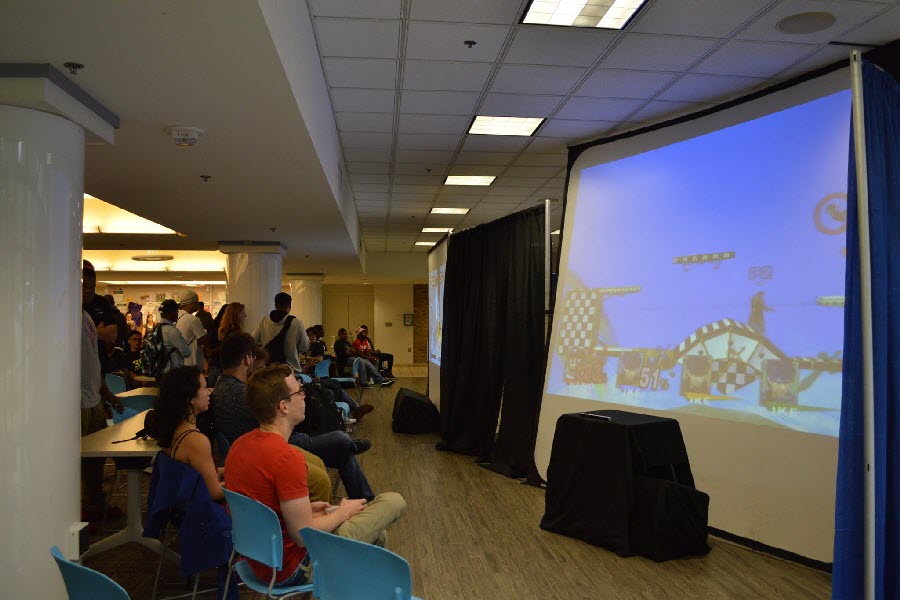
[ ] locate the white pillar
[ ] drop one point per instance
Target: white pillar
(41, 200)
(254, 277)
(306, 298)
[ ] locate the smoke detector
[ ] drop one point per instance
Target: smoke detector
(184, 136)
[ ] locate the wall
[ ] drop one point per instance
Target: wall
(391, 335)
(420, 324)
(212, 295)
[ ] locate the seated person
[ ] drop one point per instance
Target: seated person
(336, 449)
(262, 466)
(366, 348)
(361, 369)
(130, 360)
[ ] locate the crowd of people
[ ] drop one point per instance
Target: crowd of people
(258, 406)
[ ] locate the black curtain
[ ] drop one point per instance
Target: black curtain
(493, 341)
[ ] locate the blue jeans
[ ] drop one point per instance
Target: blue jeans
(365, 370)
(337, 451)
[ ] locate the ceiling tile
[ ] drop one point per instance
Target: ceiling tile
(753, 59)
(847, 14)
(878, 31)
(369, 178)
(542, 45)
(364, 167)
(424, 156)
(414, 189)
(362, 100)
(709, 88)
(549, 145)
(494, 143)
(419, 179)
(485, 158)
(532, 171)
(372, 196)
(576, 130)
(513, 192)
(658, 110)
(357, 38)
(360, 73)
(504, 12)
(824, 57)
(405, 197)
(360, 9)
(456, 124)
(465, 169)
(370, 188)
(534, 159)
(531, 183)
(427, 141)
(656, 52)
(375, 122)
(444, 41)
(438, 103)
(598, 109)
(359, 139)
(466, 190)
(699, 18)
(518, 105)
(612, 83)
(432, 75)
(370, 155)
(419, 168)
(520, 79)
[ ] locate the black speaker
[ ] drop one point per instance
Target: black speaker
(414, 413)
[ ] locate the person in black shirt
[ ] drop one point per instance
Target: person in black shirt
(130, 360)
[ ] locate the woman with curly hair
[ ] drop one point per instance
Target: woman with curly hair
(232, 320)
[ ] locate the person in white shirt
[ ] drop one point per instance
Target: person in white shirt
(295, 340)
(191, 328)
(176, 346)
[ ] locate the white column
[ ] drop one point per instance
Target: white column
(254, 277)
(306, 298)
(41, 200)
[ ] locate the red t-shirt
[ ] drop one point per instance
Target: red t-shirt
(364, 347)
(263, 466)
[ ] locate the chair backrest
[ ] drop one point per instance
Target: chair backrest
(378, 574)
(115, 383)
(118, 417)
(86, 584)
(138, 403)
(304, 378)
(322, 368)
(256, 530)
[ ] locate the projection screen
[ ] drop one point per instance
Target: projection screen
(702, 278)
(437, 266)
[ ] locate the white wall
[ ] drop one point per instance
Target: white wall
(391, 303)
(212, 295)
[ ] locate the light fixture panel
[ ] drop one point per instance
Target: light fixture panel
(437, 229)
(425, 243)
(483, 180)
(449, 211)
(604, 14)
(519, 126)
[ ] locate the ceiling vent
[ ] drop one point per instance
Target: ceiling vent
(806, 23)
(184, 136)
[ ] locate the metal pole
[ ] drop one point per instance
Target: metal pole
(547, 252)
(865, 272)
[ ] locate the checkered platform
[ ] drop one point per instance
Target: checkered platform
(731, 375)
(580, 320)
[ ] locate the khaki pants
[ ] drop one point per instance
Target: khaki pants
(368, 526)
(317, 479)
(92, 499)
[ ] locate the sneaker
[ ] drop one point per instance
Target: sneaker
(371, 382)
(360, 411)
(387, 382)
(365, 385)
(350, 421)
(362, 446)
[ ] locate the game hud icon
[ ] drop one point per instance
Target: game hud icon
(779, 382)
(695, 374)
(629, 373)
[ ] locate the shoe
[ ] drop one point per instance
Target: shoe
(360, 411)
(387, 382)
(389, 374)
(362, 446)
(364, 386)
(370, 382)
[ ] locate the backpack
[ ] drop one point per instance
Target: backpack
(154, 354)
(275, 347)
(322, 415)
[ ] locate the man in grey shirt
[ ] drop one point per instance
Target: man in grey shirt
(174, 343)
(295, 340)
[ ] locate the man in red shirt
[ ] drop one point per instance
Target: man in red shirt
(366, 349)
(263, 466)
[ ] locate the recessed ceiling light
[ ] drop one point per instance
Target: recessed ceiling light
(437, 229)
(425, 243)
(554, 232)
(470, 179)
(150, 257)
(449, 211)
(522, 126)
(582, 13)
(805, 23)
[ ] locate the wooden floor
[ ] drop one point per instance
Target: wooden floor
(469, 533)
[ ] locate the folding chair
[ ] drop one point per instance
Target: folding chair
(86, 584)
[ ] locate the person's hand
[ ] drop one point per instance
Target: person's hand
(351, 508)
(319, 507)
(220, 471)
(118, 406)
(107, 333)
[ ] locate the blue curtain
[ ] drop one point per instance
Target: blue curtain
(881, 95)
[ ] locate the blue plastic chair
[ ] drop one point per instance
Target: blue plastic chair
(303, 377)
(86, 584)
(115, 383)
(322, 371)
(378, 574)
(118, 417)
(138, 403)
(256, 534)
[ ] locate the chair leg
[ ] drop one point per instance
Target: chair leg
(115, 482)
(228, 578)
(196, 585)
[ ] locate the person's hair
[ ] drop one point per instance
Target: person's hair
(234, 348)
(311, 330)
(342, 330)
(110, 300)
(231, 321)
(134, 332)
(364, 328)
(320, 331)
(262, 354)
(200, 304)
(173, 405)
(265, 389)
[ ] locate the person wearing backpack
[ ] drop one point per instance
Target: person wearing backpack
(164, 349)
(282, 334)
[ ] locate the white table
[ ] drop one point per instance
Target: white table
(100, 445)
(141, 391)
(146, 379)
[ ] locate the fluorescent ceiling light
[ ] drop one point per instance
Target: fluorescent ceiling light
(168, 283)
(522, 126)
(102, 217)
(449, 211)
(605, 14)
(437, 229)
(554, 232)
(425, 243)
(470, 179)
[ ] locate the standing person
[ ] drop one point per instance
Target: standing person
(262, 466)
(366, 348)
(281, 334)
(101, 314)
(176, 347)
(233, 320)
(206, 319)
(150, 324)
(191, 328)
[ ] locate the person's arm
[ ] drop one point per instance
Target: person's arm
(256, 335)
(198, 452)
(110, 398)
(300, 513)
(178, 342)
(302, 339)
(198, 331)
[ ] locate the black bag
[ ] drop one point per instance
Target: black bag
(275, 347)
(151, 425)
(414, 413)
(322, 415)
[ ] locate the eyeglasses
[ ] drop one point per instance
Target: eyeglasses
(300, 392)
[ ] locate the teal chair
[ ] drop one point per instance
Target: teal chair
(378, 574)
(323, 368)
(256, 534)
(86, 584)
(115, 383)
